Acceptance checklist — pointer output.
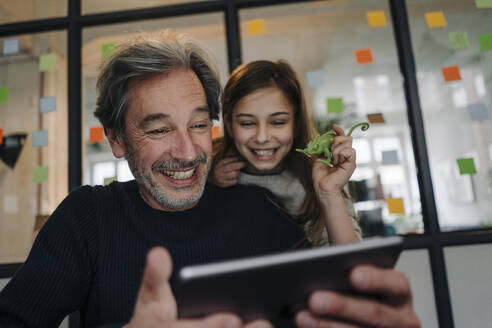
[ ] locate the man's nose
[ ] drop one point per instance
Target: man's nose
(183, 147)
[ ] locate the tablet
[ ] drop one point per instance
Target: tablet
(276, 286)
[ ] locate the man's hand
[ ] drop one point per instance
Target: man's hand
(156, 306)
(392, 308)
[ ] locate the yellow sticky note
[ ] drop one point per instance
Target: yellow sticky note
(47, 62)
(395, 205)
(376, 18)
(435, 19)
(256, 27)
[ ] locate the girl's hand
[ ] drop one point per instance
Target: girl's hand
(226, 172)
(329, 181)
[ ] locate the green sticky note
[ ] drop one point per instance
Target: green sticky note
(47, 62)
(485, 41)
(40, 174)
(466, 166)
(483, 3)
(107, 49)
(459, 40)
(109, 180)
(4, 95)
(334, 105)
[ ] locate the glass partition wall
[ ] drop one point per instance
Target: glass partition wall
(418, 71)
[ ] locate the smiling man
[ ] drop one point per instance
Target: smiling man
(101, 252)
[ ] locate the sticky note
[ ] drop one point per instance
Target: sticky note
(390, 157)
(478, 112)
(1, 136)
(40, 174)
(109, 180)
(47, 104)
(10, 46)
(4, 95)
(375, 118)
(47, 62)
(466, 166)
(334, 105)
(376, 18)
(435, 19)
(40, 138)
(451, 73)
(364, 56)
(485, 41)
(215, 131)
(107, 49)
(315, 78)
(256, 27)
(96, 134)
(459, 40)
(483, 3)
(395, 205)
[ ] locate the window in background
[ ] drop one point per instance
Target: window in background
(95, 6)
(344, 53)
(23, 10)
(33, 137)
(98, 43)
(452, 42)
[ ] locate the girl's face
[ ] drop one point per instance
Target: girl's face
(262, 125)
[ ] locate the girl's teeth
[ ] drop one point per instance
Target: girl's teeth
(264, 152)
(179, 175)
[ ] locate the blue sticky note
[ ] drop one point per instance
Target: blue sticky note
(315, 78)
(478, 112)
(10, 46)
(40, 138)
(390, 157)
(47, 104)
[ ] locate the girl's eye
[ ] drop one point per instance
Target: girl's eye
(246, 123)
(278, 122)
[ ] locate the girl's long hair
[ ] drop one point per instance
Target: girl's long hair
(260, 74)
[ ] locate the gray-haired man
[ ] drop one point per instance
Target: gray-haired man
(158, 95)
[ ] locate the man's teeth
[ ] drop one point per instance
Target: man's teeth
(264, 152)
(180, 174)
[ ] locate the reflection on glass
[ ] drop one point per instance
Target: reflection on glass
(456, 111)
(321, 40)
(95, 6)
(98, 43)
(33, 142)
(24, 10)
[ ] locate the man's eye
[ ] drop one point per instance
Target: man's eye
(158, 131)
(200, 126)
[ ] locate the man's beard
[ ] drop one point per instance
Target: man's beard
(161, 196)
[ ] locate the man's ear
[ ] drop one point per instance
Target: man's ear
(116, 143)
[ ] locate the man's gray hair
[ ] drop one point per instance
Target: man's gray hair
(149, 54)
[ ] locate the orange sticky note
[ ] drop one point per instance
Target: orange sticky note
(375, 118)
(215, 131)
(364, 56)
(435, 19)
(451, 73)
(395, 205)
(96, 134)
(376, 18)
(256, 27)
(1, 136)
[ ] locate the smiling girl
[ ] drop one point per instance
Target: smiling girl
(265, 120)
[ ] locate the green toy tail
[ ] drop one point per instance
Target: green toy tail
(364, 126)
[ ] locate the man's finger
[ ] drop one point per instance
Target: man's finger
(212, 321)
(155, 288)
(375, 280)
(304, 319)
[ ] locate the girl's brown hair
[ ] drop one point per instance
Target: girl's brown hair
(260, 74)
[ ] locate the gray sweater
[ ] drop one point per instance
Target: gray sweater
(289, 191)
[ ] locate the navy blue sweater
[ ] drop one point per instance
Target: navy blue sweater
(90, 254)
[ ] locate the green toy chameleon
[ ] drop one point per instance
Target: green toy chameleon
(322, 144)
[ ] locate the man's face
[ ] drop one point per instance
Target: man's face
(168, 139)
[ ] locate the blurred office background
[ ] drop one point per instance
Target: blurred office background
(419, 70)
